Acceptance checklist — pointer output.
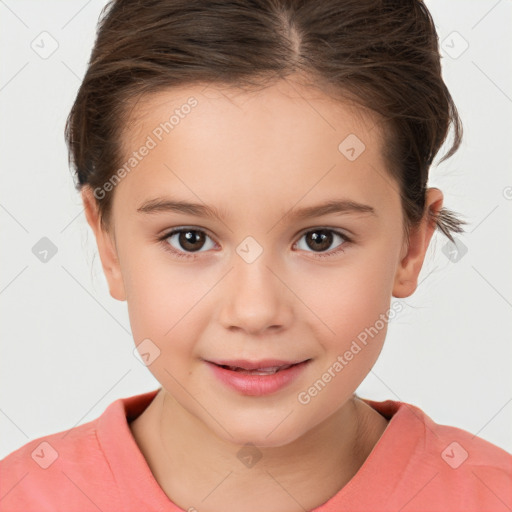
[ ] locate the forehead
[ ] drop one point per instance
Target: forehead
(287, 137)
(287, 103)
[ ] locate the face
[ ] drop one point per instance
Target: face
(264, 275)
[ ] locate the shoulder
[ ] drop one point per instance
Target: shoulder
(457, 469)
(60, 471)
(459, 448)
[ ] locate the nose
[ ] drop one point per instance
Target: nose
(254, 298)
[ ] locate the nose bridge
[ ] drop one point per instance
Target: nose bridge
(254, 298)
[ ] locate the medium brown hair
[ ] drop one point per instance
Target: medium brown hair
(382, 54)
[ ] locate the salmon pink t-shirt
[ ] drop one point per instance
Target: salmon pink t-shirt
(417, 465)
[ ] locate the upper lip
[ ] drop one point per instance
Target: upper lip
(255, 365)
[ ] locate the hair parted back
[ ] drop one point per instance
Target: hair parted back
(382, 54)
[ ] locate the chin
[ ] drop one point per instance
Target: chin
(270, 435)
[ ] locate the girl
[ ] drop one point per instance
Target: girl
(255, 174)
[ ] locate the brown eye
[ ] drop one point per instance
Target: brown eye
(191, 240)
(183, 241)
(320, 240)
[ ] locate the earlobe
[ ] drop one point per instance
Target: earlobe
(106, 246)
(406, 277)
(410, 264)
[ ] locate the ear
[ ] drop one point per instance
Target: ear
(106, 246)
(406, 277)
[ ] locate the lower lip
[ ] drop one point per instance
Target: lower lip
(258, 385)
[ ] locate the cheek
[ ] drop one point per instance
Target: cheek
(356, 306)
(351, 297)
(161, 301)
(164, 304)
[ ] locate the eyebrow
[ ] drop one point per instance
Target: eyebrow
(341, 206)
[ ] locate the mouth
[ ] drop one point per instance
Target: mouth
(262, 367)
(258, 378)
(259, 371)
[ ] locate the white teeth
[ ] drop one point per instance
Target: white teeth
(260, 371)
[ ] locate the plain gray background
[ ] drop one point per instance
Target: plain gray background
(66, 346)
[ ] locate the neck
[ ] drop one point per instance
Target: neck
(196, 468)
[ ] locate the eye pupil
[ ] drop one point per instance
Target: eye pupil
(189, 240)
(193, 240)
(320, 241)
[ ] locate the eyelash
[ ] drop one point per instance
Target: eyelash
(192, 256)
